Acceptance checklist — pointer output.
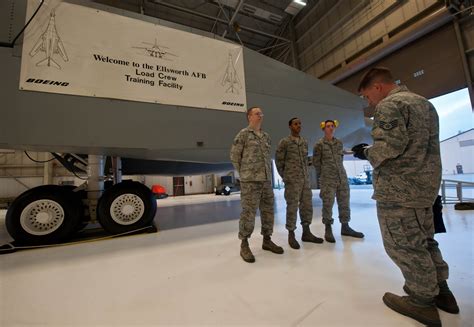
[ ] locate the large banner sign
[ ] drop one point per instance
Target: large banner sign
(72, 49)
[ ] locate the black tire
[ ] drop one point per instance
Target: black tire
(79, 195)
(131, 195)
(25, 219)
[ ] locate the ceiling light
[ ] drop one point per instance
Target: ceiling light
(295, 7)
(300, 2)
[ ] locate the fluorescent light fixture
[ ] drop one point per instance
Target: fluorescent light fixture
(300, 2)
(295, 7)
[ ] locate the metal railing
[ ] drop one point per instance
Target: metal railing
(459, 186)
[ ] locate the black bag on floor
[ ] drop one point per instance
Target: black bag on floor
(438, 216)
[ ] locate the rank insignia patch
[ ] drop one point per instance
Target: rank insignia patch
(388, 125)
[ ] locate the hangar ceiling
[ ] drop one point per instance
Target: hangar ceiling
(257, 24)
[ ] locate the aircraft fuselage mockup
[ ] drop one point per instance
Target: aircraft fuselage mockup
(177, 138)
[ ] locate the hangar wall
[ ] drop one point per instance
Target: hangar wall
(423, 73)
(458, 150)
(430, 47)
(19, 173)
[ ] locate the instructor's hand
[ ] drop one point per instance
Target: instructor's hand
(359, 150)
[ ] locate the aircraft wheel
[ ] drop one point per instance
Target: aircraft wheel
(44, 215)
(125, 207)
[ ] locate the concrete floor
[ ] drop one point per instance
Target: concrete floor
(190, 273)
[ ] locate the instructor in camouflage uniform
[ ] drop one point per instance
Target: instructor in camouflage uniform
(250, 155)
(291, 160)
(328, 154)
(407, 174)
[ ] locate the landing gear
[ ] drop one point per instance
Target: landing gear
(44, 215)
(53, 214)
(125, 207)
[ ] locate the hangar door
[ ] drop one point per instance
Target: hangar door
(430, 66)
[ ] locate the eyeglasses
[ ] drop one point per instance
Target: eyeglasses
(258, 114)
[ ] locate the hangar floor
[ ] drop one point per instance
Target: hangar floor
(190, 273)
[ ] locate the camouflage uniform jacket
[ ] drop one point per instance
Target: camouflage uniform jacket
(291, 159)
(328, 161)
(250, 155)
(405, 154)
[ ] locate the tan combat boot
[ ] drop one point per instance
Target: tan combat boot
(245, 252)
(346, 230)
(445, 300)
(268, 245)
(328, 236)
(292, 240)
(309, 237)
(427, 315)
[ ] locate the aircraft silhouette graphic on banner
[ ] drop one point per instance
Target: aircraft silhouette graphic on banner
(51, 44)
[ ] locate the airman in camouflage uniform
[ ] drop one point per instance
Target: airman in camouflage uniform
(407, 174)
(328, 154)
(250, 155)
(291, 160)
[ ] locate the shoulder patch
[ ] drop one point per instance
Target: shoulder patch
(388, 125)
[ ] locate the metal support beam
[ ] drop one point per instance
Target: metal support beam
(117, 169)
(465, 66)
(234, 15)
(221, 7)
(285, 58)
(16, 179)
(21, 166)
(48, 169)
(8, 175)
(215, 22)
(220, 20)
(282, 30)
(95, 183)
(294, 50)
(273, 46)
(283, 53)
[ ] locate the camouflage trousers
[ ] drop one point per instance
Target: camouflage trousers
(298, 194)
(256, 195)
(341, 192)
(408, 238)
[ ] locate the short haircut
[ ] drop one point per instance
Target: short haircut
(291, 120)
(330, 121)
(376, 74)
(249, 110)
